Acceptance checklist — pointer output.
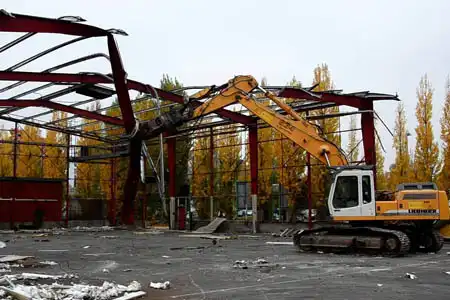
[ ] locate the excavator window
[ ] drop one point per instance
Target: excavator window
(346, 192)
(367, 194)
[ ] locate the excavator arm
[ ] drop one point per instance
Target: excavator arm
(293, 126)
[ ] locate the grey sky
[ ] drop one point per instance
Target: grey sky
(381, 46)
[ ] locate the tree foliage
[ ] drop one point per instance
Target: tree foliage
(322, 78)
(426, 159)
(353, 145)
(401, 172)
(444, 175)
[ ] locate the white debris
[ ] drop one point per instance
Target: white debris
(448, 253)
(165, 256)
(281, 243)
(92, 229)
(379, 284)
(261, 261)
(410, 276)
(2, 245)
(109, 236)
(160, 285)
(106, 291)
(13, 258)
(48, 263)
(134, 286)
(448, 273)
(86, 247)
(105, 271)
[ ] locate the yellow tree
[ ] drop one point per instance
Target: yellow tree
(201, 169)
(353, 146)
(444, 175)
(290, 161)
(322, 78)
(114, 172)
(55, 165)
(6, 154)
(30, 161)
(228, 162)
(381, 175)
(401, 171)
(88, 176)
(426, 159)
(266, 157)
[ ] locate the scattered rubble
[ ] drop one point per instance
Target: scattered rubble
(208, 236)
(92, 229)
(160, 285)
(258, 263)
(281, 243)
(48, 263)
(410, 276)
(106, 291)
(2, 245)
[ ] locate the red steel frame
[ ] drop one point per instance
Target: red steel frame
(122, 85)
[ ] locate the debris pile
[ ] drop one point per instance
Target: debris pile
(106, 291)
(160, 285)
(32, 290)
(242, 264)
(92, 229)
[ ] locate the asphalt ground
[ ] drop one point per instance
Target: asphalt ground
(198, 269)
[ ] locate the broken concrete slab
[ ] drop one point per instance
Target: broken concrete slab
(207, 236)
(213, 226)
(13, 258)
(280, 243)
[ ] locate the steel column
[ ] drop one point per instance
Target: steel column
(16, 132)
(309, 183)
(253, 144)
(368, 134)
(112, 203)
(67, 180)
(171, 161)
(211, 175)
(131, 182)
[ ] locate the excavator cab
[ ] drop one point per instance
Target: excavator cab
(352, 193)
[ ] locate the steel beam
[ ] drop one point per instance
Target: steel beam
(131, 84)
(26, 24)
(362, 101)
(70, 109)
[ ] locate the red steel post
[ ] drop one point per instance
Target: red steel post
(368, 133)
(112, 204)
(12, 207)
(67, 179)
(211, 175)
(253, 145)
(171, 162)
(309, 183)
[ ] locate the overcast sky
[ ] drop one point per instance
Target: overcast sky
(380, 46)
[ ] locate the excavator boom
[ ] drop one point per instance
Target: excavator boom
(293, 126)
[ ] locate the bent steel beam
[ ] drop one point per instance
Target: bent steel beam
(25, 23)
(70, 109)
(361, 101)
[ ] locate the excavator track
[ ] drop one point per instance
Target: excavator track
(435, 243)
(369, 240)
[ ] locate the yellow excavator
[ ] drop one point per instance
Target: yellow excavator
(391, 224)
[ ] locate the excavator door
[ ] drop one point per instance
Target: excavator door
(352, 195)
